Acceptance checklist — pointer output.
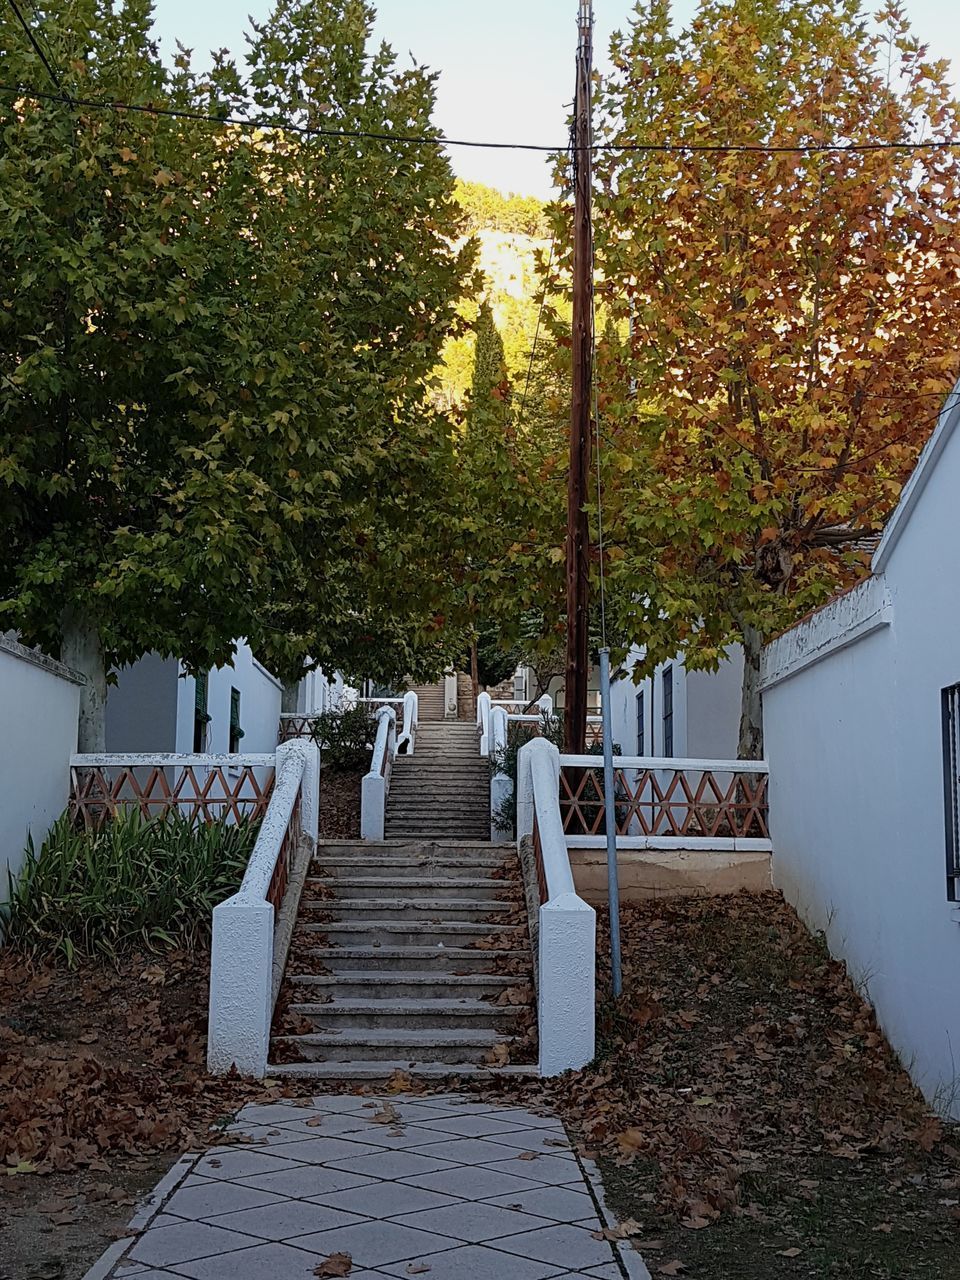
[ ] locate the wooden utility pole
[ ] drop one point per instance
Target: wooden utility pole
(578, 563)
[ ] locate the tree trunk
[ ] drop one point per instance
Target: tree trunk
(82, 651)
(289, 696)
(474, 671)
(751, 712)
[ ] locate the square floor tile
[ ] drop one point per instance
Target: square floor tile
(478, 1262)
(466, 1150)
(386, 1199)
(480, 1183)
(543, 1140)
(470, 1126)
(269, 1113)
(264, 1262)
(233, 1162)
(320, 1150)
(562, 1245)
(528, 1119)
(305, 1181)
(562, 1204)
(610, 1272)
(286, 1220)
(474, 1223)
(373, 1244)
(547, 1170)
(168, 1246)
(340, 1101)
(393, 1137)
(204, 1200)
(325, 1124)
(266, 1135)
(394, 1165)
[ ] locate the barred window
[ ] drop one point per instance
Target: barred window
(668, 711)
(950, 702)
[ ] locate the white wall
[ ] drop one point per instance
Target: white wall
(39, 704)
(260, 695)
(713, 709)
(853, 737)
(142, 706)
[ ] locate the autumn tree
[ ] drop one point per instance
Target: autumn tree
(214, 345)
(788, 266)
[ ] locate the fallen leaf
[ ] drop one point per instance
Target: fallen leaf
(673, 1268)
(417, 1269)
(338, 1264)
(527, 1155)
(789, 1253)
(694, 1223)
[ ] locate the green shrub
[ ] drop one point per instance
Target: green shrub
(345, 737)
(506, 762)
(135, 883)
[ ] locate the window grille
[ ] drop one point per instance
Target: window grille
(950, 702)
(668, 711)
(236, 733)
(641, 726)
(200, 717)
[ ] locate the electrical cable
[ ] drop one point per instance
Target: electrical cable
(28, 30)
(439, 140)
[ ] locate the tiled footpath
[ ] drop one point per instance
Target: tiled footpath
(443, 1187)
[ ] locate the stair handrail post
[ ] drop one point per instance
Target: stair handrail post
(484, 707)
(450, 700)
(376, 782)
(407, 742)
(501, 785)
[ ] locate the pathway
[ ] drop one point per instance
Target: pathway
(444, 1187)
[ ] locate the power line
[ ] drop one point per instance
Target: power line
(439, 140)
(28, 30)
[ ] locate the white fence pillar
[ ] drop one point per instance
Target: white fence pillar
(450, 706)
(310, 795)
(241, 987)
(566, 1012)
(373, 806)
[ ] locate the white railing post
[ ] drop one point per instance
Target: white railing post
(545, 703)
(310, 795)
(242, 950)
(501, 786)
(411, 720)
(484, 708)
(241, 987)
(566, 993)
(376, 783)
(450, 707)
(524, 793)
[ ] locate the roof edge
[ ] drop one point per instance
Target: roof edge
(947, 420)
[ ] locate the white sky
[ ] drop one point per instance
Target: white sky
(506, 65)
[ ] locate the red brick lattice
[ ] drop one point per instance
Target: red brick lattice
(666, 802)
(206, 793)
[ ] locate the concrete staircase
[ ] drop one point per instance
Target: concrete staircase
(442, 792)
(411, 956)
(430, 701)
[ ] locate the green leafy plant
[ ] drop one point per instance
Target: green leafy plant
(506, 761)
(345, 737)
(134, 883)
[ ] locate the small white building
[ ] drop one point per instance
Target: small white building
(156, 706)
(861, 708)
(673, 712)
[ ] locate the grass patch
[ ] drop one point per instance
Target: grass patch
(134, 883)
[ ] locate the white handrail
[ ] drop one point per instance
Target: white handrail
(375, 786)
(566, 944)
(484, 704)
(242, 957)
(129, 759)
(411, 721)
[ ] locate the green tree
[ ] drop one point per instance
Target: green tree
(214, 344)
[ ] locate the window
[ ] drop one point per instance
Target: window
(668, 711)
(236, 733)
(950, 702)
(641, 735)
(200, 717)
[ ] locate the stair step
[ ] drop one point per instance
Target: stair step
(438, 933)
(395, 871)
(378, 1044)
(425, 1015)
(443, 910)
(478, 888)
(383, 1070)
(385, 984)
(445, 961)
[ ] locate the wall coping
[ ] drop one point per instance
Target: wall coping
(841, 622)
(38, 659)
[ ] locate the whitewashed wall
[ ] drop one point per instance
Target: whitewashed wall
(853, 736)
(260, 695)
(706, 709)
(39, 703)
